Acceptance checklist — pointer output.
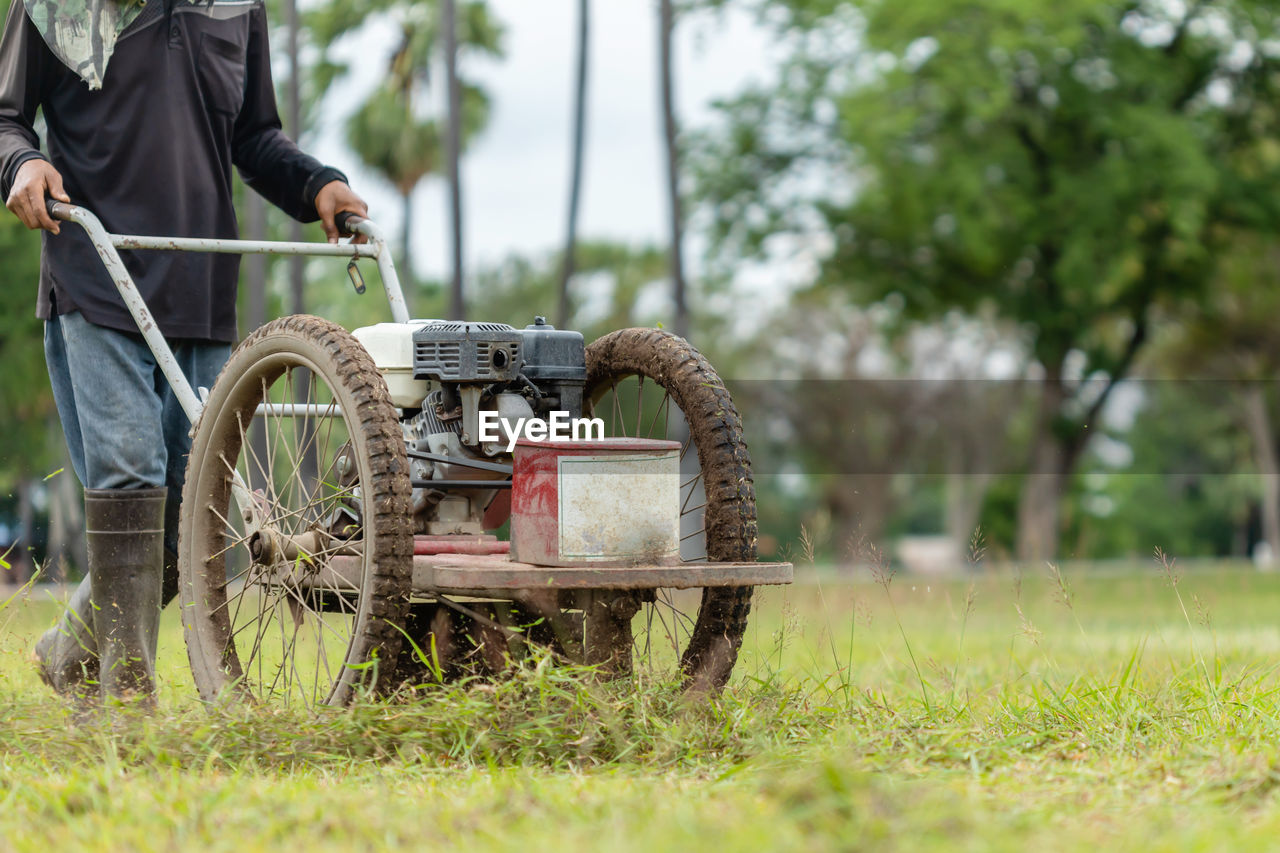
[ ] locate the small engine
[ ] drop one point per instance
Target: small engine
(544, 364)
(442, 374)
(466, 352)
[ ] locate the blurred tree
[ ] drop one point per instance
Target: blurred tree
(404, 149)
(1235, 337)
(623, 280)
(1187, 487)
(453, 155)
(32, 444)
(392, 132)
(892, 430)
(575, 168)
(1070, 165)
(273, 285)
(293, 126)
(671, 147)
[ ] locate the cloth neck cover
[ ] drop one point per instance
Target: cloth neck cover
(82, 33)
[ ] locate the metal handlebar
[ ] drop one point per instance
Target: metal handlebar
(107, 245)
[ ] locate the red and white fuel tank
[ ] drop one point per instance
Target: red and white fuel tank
(604, 502)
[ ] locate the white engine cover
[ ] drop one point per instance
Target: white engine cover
(391, 345)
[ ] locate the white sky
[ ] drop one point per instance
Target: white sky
(515, 178)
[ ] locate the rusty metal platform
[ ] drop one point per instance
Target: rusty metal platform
(473, 573)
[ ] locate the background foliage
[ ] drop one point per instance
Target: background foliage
(1042, 249)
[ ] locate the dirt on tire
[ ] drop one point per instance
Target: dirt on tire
(716, 431)
(375, 432)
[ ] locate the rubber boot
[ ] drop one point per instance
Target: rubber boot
(172, 506)
(67, 654)
(124, 529)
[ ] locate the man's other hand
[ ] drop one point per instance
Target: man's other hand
(35, 180)
(334, 198)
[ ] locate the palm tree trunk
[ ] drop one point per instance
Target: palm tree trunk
(406, 235)
(58, 541)
(294, 106)
(71, 496)
(309, 464)
(457, 307)
(22, 557)
(575, 180)
(64, 544)
(1258, 423)
(1039, 504)
(255, 266)
(670, 131)
(255, 274)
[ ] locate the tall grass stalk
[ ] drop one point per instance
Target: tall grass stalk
(884, 573)
(1168, 567)
(1062, 594)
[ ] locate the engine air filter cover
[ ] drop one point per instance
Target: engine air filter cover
(552, 354)
(452, 351)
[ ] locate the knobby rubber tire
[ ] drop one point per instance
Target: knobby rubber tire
(375, 434)
(730, 519)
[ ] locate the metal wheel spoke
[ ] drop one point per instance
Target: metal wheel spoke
(616, 418)
(231, 531)
(666, 629)
(664, 406)
(664, 597)
(639, 405)
(239, 596)
(293, 455)
(239, 599)
(308, 494)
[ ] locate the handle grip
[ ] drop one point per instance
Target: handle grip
(58, 209)
(346, 221)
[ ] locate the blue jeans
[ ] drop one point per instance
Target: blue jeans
(123, 424)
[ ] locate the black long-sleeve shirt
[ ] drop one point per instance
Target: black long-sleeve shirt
(187, 95)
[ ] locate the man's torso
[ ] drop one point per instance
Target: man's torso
(150, 153)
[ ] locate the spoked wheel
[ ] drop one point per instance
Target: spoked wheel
(271, 494)
(651, 384)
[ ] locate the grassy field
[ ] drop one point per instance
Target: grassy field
(998, 712)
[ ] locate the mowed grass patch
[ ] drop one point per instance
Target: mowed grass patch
(1055, 709)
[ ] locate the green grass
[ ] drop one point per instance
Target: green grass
(1119, 710)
